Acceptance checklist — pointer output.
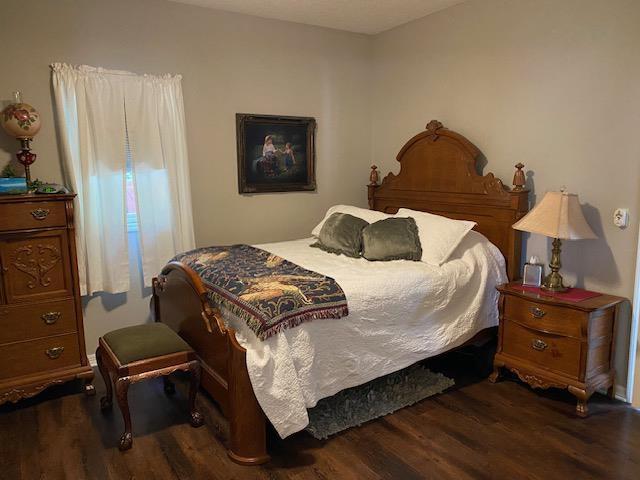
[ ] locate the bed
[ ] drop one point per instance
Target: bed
(248, 378)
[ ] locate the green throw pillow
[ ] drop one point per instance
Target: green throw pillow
(342, 233)
(392, 239)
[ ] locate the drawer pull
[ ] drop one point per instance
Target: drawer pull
(40, 213)
(538, 344)
(54, 352)
(51, 317)
(537, 312)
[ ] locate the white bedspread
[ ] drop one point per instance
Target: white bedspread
(400, 312)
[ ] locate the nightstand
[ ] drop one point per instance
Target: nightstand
(549, 341)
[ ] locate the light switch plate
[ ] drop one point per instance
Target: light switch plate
(621, 217)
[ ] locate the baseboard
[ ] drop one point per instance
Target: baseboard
(621, 393)
(92, 360)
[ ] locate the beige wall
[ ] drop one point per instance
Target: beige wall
(553, 84)
(230, 63)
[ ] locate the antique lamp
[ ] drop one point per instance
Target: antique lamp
(560, 217)
(22, 121)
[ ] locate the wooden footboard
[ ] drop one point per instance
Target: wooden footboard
(179, 301)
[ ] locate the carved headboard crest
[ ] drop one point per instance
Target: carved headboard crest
(441, 160)
(438, 174)
(432, 127)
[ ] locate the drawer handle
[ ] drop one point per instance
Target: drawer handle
(40, 213)
(538, 344)
(537, 312)
(54, 352)
(51, 317)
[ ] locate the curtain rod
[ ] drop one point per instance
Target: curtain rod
(124, 73)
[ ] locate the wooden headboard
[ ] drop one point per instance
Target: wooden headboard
(438, 174)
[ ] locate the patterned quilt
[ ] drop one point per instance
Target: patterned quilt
(266, 291)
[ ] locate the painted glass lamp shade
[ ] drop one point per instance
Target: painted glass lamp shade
(559, 216)
(22, 121)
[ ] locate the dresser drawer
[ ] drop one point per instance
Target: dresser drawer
(546, 318)
(25, 215)
(39, 356)
(552, 352)
(26, 322)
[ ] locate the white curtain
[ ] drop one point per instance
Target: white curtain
(98, 110)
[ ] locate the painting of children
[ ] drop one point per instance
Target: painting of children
(275, 154)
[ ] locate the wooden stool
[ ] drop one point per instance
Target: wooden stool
(137, 353)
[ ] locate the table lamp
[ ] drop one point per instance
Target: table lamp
(22, 121)
(560, 217)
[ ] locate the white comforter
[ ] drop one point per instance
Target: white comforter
(400, 312)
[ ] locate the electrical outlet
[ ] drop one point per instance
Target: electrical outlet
(621, 217)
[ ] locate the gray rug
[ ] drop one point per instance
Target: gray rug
(379, 397)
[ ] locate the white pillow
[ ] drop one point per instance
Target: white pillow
(363, 213)
(439, 236)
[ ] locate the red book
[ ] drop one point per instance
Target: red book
(571, 295)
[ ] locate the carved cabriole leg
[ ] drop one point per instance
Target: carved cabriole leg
(582, 410)
(169, 387)
(495, 375)
(106, 402)
(196, 418)
(122, 389)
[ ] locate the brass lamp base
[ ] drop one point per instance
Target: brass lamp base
(553, 282)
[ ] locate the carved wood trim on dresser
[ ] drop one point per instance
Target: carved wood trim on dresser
(41, 328)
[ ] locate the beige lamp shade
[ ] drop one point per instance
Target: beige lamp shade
(558, 215)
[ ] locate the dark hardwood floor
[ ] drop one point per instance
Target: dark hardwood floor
(476, 430)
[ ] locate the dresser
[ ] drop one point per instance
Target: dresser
(549, 342)
(41, 332)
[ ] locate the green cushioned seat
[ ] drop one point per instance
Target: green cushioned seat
(131, 344)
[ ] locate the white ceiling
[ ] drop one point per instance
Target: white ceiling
(360, 16)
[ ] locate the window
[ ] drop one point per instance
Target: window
(130, 190)
(145, 191)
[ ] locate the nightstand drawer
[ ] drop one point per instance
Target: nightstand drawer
(553, 352)
(546, 318)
